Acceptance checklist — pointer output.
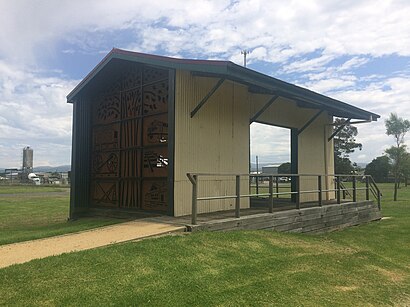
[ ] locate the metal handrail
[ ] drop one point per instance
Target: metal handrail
(371, 186)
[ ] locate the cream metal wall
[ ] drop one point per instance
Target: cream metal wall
(215, 140)
(315, 153)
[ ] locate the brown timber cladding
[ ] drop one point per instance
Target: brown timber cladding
(130, 140)
(314, 219)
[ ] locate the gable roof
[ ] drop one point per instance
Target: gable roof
(256, 82)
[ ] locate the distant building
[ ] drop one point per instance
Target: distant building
(270, 169)
(27, 160)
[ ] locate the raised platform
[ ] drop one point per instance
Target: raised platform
(311, 219)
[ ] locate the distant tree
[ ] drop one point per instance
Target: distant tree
(379, 168)
(343, 166)
(397, 127)
(345, 141)
(406, 168)
(285, 168)
(345, 144)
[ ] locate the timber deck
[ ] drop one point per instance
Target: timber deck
(309, 218)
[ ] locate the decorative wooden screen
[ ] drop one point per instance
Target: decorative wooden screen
(130, 141)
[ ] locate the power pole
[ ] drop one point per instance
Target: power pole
(245, 53)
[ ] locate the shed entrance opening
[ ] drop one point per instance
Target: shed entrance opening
(271, 144)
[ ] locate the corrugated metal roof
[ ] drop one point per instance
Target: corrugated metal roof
(256, 82)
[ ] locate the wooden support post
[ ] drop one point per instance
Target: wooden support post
(277, 186)
(194, 199)
(238, 197)
(298, 192)
(338, 189)
(319, 187)
(354, 189)
(378, 200)
(367, 188)
(257, 185)
(270, 194)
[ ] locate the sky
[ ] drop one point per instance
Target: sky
(357, 51)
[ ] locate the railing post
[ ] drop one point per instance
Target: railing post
(298, 192)
(277, 186)
(257, 184)
(367, 188)
(319, 187)
(354, 189)
(270, 194)
(338, 189)
(378, 200)
(194, 199)
(238, 197)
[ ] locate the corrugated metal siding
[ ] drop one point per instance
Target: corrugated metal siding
(216, 140)
(283, 112)
(80, 171)
(312, 157)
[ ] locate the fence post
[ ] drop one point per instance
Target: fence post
(270, 194)
(194, 199)
(277, 186)
(257, 184)
(319, 187)
(238, 197)
(367, 188)
(297, 192)
(354, 189)
(378, 200)
(338, 189)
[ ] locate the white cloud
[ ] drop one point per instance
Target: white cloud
(306, 38)
(33, 112)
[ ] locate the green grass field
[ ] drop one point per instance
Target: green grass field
(366, 265)
(34, 212)
(23, 189)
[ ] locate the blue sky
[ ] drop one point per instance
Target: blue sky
(355, 51)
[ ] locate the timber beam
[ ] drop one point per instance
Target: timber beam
(309, 122)
(207, 96)
(264, 108)
(339, 129)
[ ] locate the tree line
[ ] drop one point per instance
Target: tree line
(396, 160)
(394, 163)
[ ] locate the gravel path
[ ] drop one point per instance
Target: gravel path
(25, 251)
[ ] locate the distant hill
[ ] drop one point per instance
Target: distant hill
(59, 169)
(47, 169)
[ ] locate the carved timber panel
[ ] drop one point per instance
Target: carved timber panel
(155, 195)
(104, 193)
(155, 98)
(155, 129)
(130, 140)
(155, 163)
(107, 109)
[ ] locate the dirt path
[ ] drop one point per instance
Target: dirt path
(25, 251)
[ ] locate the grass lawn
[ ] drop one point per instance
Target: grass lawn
(21, 189)
(38, 214)
(362, 266)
